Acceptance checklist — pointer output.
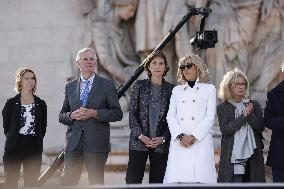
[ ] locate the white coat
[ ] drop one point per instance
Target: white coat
(192, 112)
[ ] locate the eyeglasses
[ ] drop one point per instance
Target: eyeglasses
(188, 66)
(239, 84)
(89, 59)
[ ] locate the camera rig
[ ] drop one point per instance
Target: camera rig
(204, 39)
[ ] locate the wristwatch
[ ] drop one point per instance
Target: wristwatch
(180, 136)
(140, 137)
(163, 139)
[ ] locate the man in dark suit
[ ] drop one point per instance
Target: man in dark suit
(90, 103)
(274, 120)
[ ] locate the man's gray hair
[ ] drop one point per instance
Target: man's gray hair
(85, 49)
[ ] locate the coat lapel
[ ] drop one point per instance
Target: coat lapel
(163, 100)
(94, 90)
(144, 97)
(77, 93)
(147, 98)
(231, 110)
(37, 114)
(17, 112)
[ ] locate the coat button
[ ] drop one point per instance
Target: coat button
(181, 119)
(197, 88)
(192, 118)
(183, 101)
(193, 100)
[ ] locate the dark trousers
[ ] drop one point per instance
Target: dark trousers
(254, 170)
(26, 153)
(278, 174)
(136, 166)
(74, 162)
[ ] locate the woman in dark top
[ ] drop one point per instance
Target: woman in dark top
(24, 123)
(150, 134)
(241, 124)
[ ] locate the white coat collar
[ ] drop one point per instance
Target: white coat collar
(195, 87)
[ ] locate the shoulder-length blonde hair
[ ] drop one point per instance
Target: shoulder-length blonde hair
(202, 71)
(229, 79)
(19, 78)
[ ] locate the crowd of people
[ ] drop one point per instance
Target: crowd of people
(171, 125)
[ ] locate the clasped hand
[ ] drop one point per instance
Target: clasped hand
(83, 114)
(187, 141)
(151, 142)
(248, 109)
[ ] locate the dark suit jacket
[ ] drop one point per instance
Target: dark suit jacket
(228, 126)
(139, 115)
(12, 121)
(274, 120)
(104, 99)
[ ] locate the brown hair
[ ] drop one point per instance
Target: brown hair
(151, 58)
(19, 78)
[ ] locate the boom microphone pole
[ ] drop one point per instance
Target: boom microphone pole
(121, 90)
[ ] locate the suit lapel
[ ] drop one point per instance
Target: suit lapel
(77, 93)
(94, 90)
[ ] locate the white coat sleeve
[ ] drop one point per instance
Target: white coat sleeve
(173, 124)
(204, 126)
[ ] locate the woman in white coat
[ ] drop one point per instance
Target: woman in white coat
(190, 118)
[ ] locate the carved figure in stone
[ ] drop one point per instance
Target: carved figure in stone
(153, 21)
(267, 48)
(250, 38)
(109, 33)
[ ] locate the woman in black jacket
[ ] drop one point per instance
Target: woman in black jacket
(24, 123)
(150, 134)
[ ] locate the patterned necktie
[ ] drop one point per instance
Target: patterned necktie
(85, 93)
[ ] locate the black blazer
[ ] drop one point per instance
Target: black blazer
(11, 121)
(274, 120)
(139, 115)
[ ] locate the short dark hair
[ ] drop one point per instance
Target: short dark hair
(152, 57)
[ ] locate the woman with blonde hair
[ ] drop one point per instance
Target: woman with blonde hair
(24, 123)
(190, 118)
(241, 125)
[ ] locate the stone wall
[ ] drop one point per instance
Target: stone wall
(35, 34)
